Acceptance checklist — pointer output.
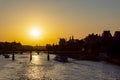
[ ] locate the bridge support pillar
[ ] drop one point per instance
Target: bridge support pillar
(30, 56)
(38, 52)
(48, 57)
(13, 56)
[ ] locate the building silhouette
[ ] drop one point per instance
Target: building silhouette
(117, 34)
(106, 34)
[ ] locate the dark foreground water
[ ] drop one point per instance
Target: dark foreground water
(41, 69)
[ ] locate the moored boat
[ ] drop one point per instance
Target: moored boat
(61, 58)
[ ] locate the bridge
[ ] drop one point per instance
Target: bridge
(7, 53)
(62, 53)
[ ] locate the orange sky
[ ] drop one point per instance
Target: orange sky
(56, 19)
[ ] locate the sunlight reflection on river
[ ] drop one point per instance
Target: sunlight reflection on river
(38, 68)
(38, 59)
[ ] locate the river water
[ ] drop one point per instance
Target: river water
(41, 69)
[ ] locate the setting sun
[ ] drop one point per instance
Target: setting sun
(35, 32)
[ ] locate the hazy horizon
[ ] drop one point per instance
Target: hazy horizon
(55, 19)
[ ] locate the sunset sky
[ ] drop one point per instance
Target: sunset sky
(55, 19)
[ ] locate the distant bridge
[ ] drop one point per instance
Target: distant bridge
(63, 53)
